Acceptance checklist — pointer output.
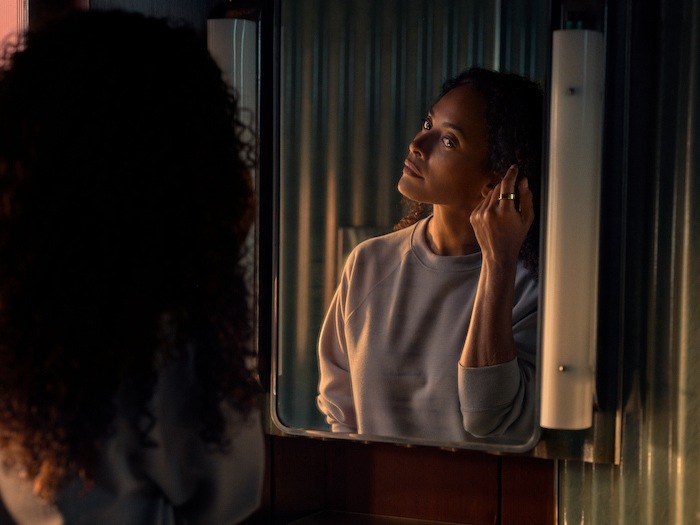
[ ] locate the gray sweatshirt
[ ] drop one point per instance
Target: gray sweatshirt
(391, 341)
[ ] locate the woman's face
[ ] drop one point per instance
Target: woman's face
(448, 160)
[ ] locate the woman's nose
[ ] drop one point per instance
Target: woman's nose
(418, 146)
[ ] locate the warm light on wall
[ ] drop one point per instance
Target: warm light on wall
(570, 299)
(14, 18)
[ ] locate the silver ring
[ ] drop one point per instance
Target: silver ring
(508, 196)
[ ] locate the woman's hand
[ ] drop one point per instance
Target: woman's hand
(501, 228)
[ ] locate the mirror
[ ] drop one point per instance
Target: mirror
(356, 79)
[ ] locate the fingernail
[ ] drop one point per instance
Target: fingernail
(525, 182)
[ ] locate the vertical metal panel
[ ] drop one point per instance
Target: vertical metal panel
(659, 473)
(357, 76)
(192, 12)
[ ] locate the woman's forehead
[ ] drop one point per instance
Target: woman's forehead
(463, 106)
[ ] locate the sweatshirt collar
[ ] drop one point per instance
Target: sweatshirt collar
(448, 263)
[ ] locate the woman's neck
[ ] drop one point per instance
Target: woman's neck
(450, 232)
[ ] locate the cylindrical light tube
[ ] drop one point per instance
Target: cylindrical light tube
(570, 300)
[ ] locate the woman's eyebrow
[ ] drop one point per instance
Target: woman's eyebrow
(449, 125)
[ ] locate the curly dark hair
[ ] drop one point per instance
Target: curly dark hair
(514, 135)
(125, 200)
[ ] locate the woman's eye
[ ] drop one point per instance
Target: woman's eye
(448, 143)
(426, 124)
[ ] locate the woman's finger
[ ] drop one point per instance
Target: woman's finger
(526, 207)
(507, 190)
(493, 196)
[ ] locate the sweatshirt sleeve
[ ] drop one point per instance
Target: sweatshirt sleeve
(335, 399)
(500, 400)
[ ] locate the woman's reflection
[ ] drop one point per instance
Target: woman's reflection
(432, 330)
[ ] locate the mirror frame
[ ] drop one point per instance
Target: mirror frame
(600, 443)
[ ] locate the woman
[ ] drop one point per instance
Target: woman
(432, 331)
(126, 393)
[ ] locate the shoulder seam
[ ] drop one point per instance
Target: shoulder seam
(389, 273)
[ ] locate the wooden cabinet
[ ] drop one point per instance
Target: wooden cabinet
(337, 481)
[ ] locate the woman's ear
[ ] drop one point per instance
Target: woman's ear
(491, 184)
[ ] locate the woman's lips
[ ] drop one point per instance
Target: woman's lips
(410, 169)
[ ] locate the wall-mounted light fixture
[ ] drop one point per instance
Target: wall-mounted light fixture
(570, 300)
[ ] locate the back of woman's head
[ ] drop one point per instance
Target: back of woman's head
(124, 202)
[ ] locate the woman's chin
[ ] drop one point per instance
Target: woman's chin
(407, 188)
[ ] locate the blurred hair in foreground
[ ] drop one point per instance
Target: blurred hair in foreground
(125, 199)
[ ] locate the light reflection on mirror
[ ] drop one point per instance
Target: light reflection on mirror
(357, 77)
